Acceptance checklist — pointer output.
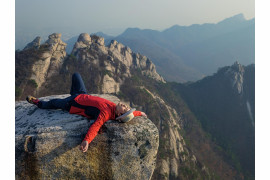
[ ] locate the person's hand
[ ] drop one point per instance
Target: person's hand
(143, 114)
(84, 146)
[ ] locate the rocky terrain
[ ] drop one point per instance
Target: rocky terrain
(50, 60)
(236, 75)
(117, 63)
(184, 151)
(47, 146)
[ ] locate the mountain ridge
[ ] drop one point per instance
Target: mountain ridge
(225, 105)
(187, 49)
(181, 45)
(185, 150)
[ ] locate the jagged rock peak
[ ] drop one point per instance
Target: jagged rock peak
(119, 46)
(97, 39)
(89, 39)
(236, 75)
(34, 44)
(113, 51)
(237, 67)
(113, 42)
(50, 59)
(85, 38)
(54, 39)
(55, 42)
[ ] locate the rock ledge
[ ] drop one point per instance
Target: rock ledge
(47, 146)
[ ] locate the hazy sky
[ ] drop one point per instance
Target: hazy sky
(113, 16)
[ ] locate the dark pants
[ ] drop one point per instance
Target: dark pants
(77, 87)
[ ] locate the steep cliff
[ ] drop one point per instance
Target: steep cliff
(38, 62)
(224, 103)
(47, 146)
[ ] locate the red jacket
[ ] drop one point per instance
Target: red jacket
(105, 107)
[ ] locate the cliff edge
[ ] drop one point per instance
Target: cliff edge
(47, 146)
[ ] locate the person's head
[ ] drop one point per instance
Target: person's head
(121, 109)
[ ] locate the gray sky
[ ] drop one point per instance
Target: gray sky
(114, 16)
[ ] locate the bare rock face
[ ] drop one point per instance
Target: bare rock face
(236, 75)
(133, 60)
(119, 60)
(47, 146)
(109, 85)
(175, 143)
(83, 41)
(58, 53)
(34, 44)
(51, 59)
(85, 38)
(54, 38)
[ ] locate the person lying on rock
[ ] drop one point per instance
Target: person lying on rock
(89, 106)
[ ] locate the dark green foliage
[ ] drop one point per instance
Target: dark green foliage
(18, 91)
(107, 72)
(72, 56)
(24, 61)
(32, 83)
(188, 173)
(23, 65)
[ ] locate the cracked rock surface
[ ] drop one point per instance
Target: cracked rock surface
(47, 145)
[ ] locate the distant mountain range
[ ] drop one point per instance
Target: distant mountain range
(189, 53)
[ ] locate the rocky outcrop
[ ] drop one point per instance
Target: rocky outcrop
(34, 44)
(236, 76)
(50, 60)
(120, 60)
(116, 62)
(83, 41)
(174, 141)
(109, 85)
(47, 146)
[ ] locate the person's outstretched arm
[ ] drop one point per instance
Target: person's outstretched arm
(93, 130)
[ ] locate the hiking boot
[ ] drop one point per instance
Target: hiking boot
(32, 100)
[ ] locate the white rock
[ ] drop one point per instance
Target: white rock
(109, 85)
